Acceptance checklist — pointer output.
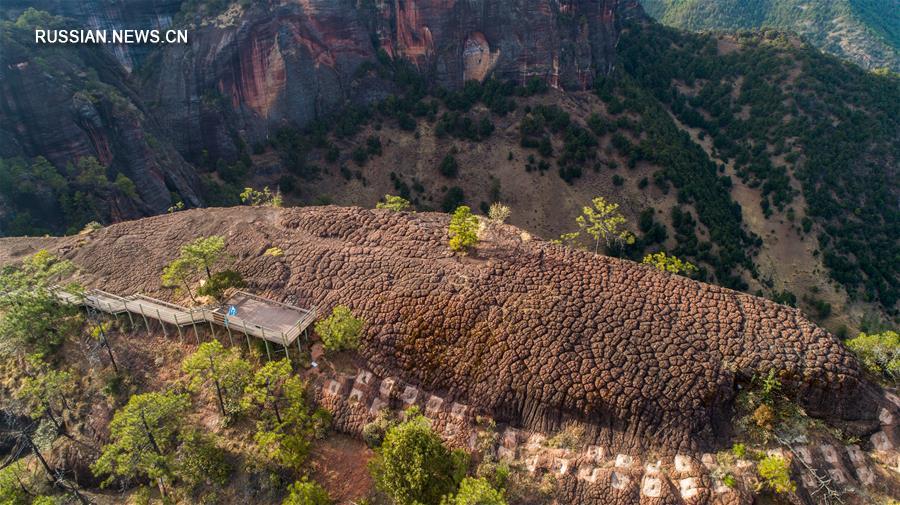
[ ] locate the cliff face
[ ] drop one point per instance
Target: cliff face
(105, 15)
(66, 103)
(142, 110)
(298, 61)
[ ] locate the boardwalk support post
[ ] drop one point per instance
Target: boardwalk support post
(109, 309)
(284, 343)
(249, 347)
(268, 352)
(178, 327)
(146, 323)
(125, 304)
(194, 324)
(212, 328)
(230, 339)
(162, 323)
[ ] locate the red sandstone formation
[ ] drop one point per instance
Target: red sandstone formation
(531, 333)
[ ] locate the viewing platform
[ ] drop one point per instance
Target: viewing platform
(241, 313)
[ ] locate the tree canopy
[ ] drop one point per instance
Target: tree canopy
(603, 222)
(341, 330)
(413, 466)
(463, 230)
(224, 369)
(143, 437)
(32, 318)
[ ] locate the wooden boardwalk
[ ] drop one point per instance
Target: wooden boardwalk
(289, 321)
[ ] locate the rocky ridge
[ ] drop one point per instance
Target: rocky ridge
(531, 335)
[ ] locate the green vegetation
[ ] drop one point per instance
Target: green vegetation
(306, 492)
(667, 263)
(413, 466)
(475, 491)
(275, 252)
(775, 472)
(601, 222)
(264, 198)
(864, 31)
(224, 369)
(449, 167)
(143, 439)
(833, 125)
(285, 425)
(44, 391)
(180, 274)
(341, 330)
(879, 352)
(395, 203)
(196, 258)
(32, 318)
(498, 213)
(463, 230)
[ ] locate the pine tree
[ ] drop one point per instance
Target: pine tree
(463, 229)
(224, 368)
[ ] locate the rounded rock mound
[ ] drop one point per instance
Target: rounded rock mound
(532, 333)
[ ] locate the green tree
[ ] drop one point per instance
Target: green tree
(879, 352)
(143, 438)
(602, 221)
(180, 273)
(32, 317)
(44, 391)
(286, 427)
(13, 490)
(307, 492)
(224, 369)
(463, 229)
(341, 330)
(266, 391)
(199, 460)
(667, 263)
(221, 282)
(449, 166)
(475, 491)
(205, 252)
(395, 203)
(413, 466)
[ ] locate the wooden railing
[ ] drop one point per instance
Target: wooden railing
(180, 317)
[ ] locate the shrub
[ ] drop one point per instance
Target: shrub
(264, 198)
(453, 198)
(475, 491)
(449, 167)
(340, 330)
(199, 460)
(306, 492)
(666, 263)
(498, 212)
(775, 473)
(879, 352)
(274, 252)
(395, 203)
(463, 230)
(413, 466)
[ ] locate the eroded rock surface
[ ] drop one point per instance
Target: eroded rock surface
(528, 332)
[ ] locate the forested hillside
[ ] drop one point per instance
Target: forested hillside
(731, 152)
(866, 32)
